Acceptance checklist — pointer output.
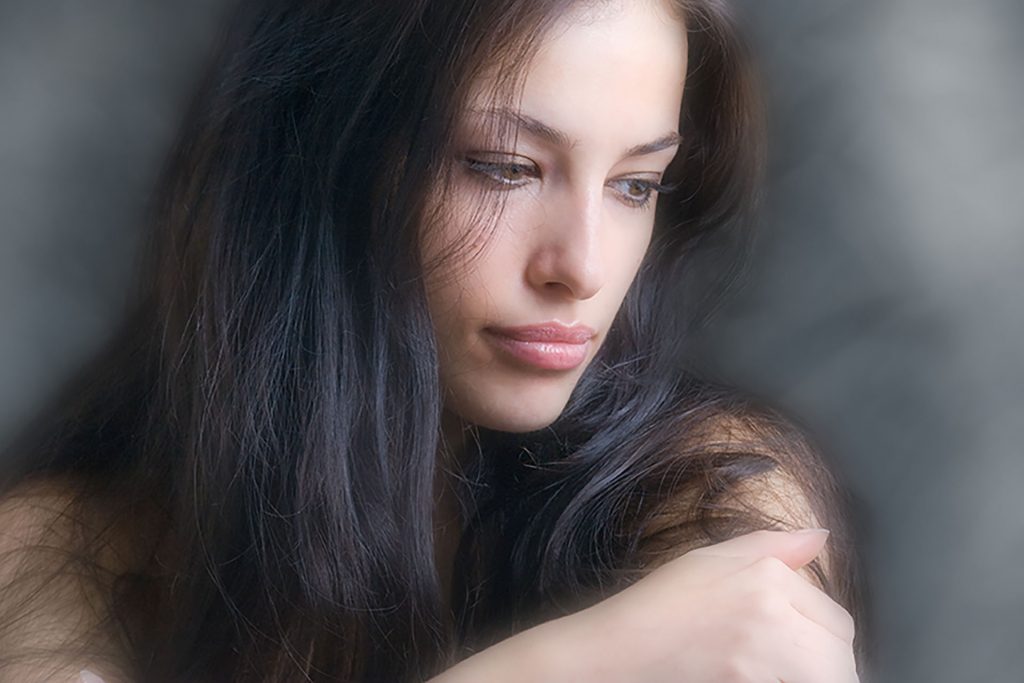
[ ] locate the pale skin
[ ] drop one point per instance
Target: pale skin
(571, 237)
(567, 248)
(568, 245)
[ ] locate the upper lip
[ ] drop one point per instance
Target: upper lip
(548, 332)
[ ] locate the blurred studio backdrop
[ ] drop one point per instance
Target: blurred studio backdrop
(882, 309)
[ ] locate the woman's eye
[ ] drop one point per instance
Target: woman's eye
(505, 173)
(637, 192)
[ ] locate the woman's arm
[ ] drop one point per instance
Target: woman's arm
(775, 495)
(749, 608)
(539, 655)
(732, 611)
(800, 490)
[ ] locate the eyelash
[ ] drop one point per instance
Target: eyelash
(487, 169)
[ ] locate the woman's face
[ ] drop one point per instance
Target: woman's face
(598, 125)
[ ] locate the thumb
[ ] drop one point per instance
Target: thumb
(795, 548)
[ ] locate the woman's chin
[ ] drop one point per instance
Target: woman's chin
(520, 425)
(519, 416)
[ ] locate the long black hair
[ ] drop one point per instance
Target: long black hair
(267, 418)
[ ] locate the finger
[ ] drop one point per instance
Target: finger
(815, 655)
(817, 606)
(697, 568)
(794, 548)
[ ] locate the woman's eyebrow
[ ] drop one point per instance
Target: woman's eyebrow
(560, 139)
(666, 141)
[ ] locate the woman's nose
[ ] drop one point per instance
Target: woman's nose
(568, 255)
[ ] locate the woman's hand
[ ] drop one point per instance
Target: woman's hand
(733, 612)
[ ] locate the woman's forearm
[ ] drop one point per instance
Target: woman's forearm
(537, 655)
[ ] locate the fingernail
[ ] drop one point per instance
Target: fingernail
(85, 676)
(817, 530)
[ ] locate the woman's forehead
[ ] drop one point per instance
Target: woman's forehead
(622, 70)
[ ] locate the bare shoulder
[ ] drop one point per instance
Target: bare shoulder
(783, 493)
(54, 605)
(794, 489)
(34, 508)
(35, 520)
(759, 469)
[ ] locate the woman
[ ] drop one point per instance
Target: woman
(403, 393)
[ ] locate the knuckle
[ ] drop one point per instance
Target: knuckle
(769, 567)
(767, 605)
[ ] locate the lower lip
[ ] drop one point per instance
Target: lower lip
(543, 355)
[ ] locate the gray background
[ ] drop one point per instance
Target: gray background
(881, 309)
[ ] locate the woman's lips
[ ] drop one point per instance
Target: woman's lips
(546, 355)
